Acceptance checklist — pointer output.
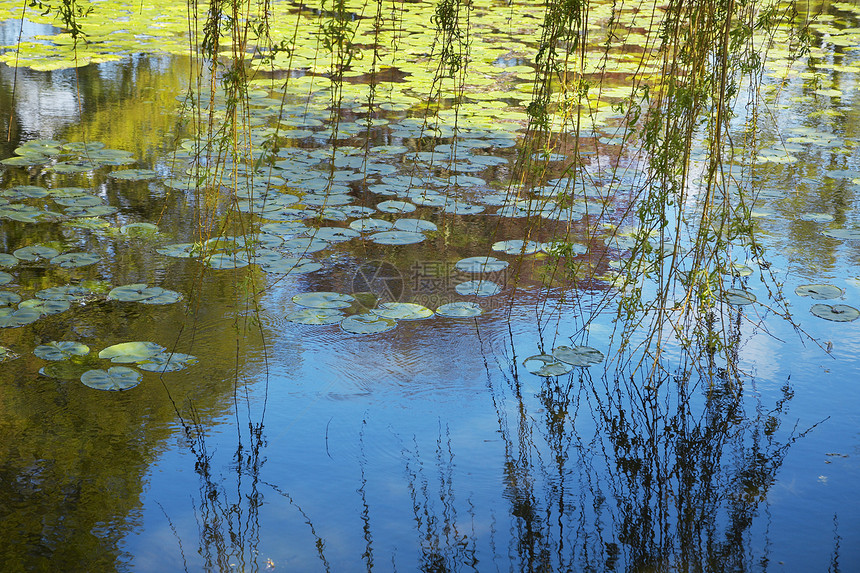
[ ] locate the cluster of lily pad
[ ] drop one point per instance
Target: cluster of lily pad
(562, 360)
(352, 314)
(72, 360)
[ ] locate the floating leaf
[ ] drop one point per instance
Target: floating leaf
(478, 288)
(35, 252)
(367, 323)
(140, 292)
(226, 261)
(546, 365)
(291, 265)
(850, 234)
(62, 350)
(738, 296)
(46, 307)
(836, 312)
(75, 260)
(324, 299)
(396, 207)
(461, 309)
(66, 292)
(397, 238)
(167, 362)
(402, 311)
(578, 355)
(414, 225)
(8, 298)
(819, 291)
(133, 174)
(5, 278)
(481, 265)
(138, 229)
(115, 378)
(316, 316)
(516, 247)
(127, 352)
(7, 260)
(181, 250)
(14, 318)
(370, 225)
(305, 245)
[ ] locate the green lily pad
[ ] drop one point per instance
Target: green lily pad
(227, 261)
(8, 298)
(396, 207)
(128, 352)
(62, 350)
(139, 229)
(292, 266)
(140, 292)
(65, 292)
(461, 309)
(578, 355)
(181, 250)
(478, 288)
(397, 238)
(323, 299)
(517, 247)
(167, 362)
(8, 261)
(836, 312)
(14, 318)
(5, 278)
(46, 307)
(819, 291)
(402, 311)
(850, 234)
(546, 365)
(80, 201)
(335, 234)
(370, 225)
(481, 265)
(414, 225)
(738, 296)
(133, 174)
(35, 252)
(305, 245)
(316, 316)
(367, 323)
(285, 228)
(114, 379)
(75, 260)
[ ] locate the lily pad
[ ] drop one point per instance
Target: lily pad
(7, 260)
(370, 225)
(226, 261)
(402, 311)
(46, 307)
(8, 298)
(140, 292)
(819, 291)
(291, 265)
(167, 362)
(481, 265)
(578, 355)
(181, 250)
(139, 229)
(367, 323)
(462, 309)
(478, 288)
(114, 379)
(517, 247)
(5, 278)
(65, 292)
(75, 260)
(128, 352)
(396, 207)
(836, 312)
(414, 225)
(35, 252)
(397, 238)
(738, 296)
(851, 234)
(62, 350)
(316, 316)
(546, 365)
(14, 318)
(324, 299)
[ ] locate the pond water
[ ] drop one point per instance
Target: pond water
(279, 445)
